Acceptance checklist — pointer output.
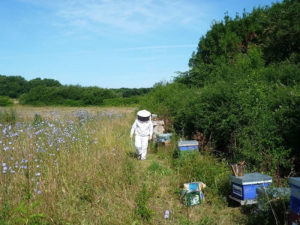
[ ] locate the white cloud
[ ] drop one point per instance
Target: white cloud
(126, 15)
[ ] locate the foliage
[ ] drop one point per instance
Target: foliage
(242, 89)
(130, 92)
(122, 101)
(42, 82)
(12, 86)
(41, 92)
(275, 30)
(66, 95)
(5, 101)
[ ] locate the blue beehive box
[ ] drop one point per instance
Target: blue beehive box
(244, 187)
(188, 145)
(294, 182)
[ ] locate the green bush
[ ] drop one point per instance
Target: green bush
(250, 112)
(66, 95)
(128, 101)
(5, 101)
(247, 71)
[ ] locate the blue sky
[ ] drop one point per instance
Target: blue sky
(106, 43)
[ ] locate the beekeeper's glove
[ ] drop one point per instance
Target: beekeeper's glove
(150, 137)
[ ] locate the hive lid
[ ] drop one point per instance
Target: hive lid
(187, 143)
(166, 135)
(251, 178)
(294, 181)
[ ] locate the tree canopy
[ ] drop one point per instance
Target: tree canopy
(242, 90)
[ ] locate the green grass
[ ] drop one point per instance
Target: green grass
(93, 178)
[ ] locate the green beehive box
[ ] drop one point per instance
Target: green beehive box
(192, 198)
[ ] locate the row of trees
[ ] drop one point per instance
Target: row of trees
(52, 92)
(15, 86)
(242, 91)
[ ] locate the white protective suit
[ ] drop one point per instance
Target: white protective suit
(143, 130)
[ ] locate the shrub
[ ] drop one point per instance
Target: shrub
(250, 114)
(5, 101)
(66, 95)
(130, 101)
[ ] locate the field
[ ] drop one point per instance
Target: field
(77, 166)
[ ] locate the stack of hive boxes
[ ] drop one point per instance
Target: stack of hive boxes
(243, 188)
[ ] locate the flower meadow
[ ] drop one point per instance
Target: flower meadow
(55, 164)
(68, 165)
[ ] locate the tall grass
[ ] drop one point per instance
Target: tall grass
(67, 171)
(8, 116)
(76, 166)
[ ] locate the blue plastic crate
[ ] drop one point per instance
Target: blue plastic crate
(244, 187)
(188, 145)
(294, 182)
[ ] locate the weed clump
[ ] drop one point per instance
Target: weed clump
(8, 116)
(142, 210)
(157, 169)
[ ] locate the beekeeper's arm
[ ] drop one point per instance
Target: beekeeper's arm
(133, 129)
(151, 130)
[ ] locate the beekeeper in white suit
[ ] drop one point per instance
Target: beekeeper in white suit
(143, 129)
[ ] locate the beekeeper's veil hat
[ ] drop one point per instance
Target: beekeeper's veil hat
(143, 115)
